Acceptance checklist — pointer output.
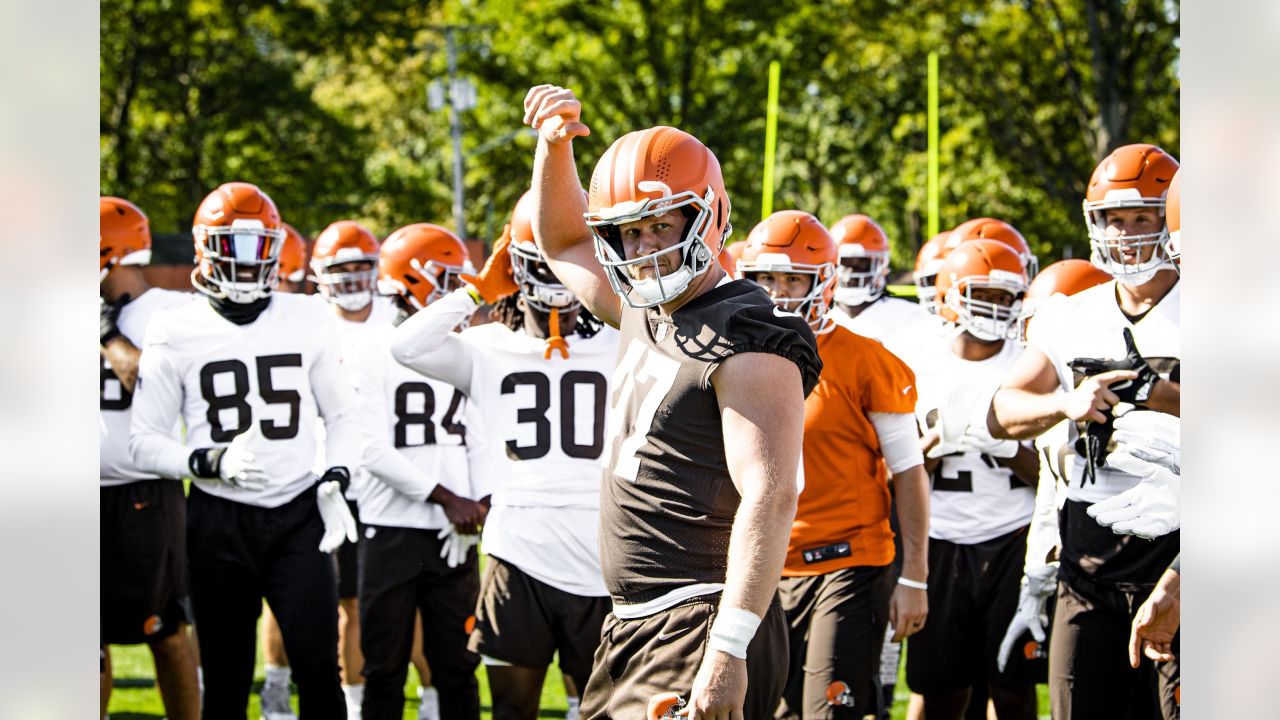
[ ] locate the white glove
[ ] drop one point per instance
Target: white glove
(1150, 436)
(456, 545)
(1149, 509)
(238, 467)
(1038, 585)
(972, 442)
(338, 523)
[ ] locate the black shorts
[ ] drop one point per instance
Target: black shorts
(973, 593)
(346, 561)
(524, 621)
(836, 623)
(143, 561)
(640, 658)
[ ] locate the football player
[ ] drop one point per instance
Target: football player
(143, 555)
(417, 506)
(1130, 323)
(543, 397)
(292, 270)
(700, 486)
(838, 587)
(861, 304)
(344, 267)
(248, 372)
(928, 260)
(982, 497)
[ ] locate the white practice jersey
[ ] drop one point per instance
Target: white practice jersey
(383, 315)
(282, 371)
(1090, 324)
(973, 499)
(545, 425)
(115, 464)
(414, 431)
(882, 319)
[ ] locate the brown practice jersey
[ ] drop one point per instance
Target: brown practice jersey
(667, 502)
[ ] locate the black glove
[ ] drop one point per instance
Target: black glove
(339, 473)
(1138, 390)
(205, 462)
(108, 315)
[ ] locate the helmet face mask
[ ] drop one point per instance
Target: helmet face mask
(1108, 249)
(347, 283)
(927, 290)
(812, 306)
(238, 262)
(1131, 177)
(980, 316)
(540, 288)
(861, 275)
(695, 253)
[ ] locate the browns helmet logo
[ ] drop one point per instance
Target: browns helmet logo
(838, 695)
(664, 705)
(152, 625)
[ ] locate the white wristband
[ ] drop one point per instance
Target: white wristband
(913, 584)
(732, 631)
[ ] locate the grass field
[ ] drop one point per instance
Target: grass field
(135, 696)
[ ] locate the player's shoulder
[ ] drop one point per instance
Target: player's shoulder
(861, 355)
(170, 323)
(490, 334)
(299, 305)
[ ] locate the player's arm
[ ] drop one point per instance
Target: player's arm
(157, 402)
(1043, 538)
(1166, 397)
(1031, 401)
(1025, 465)
(899, 444)
(123, 356)
(762, 414)
(427, 344)
(336, 402)
(558, 224)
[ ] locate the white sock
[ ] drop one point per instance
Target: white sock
(355, 697)
(278, 675)
(200, 679)
(425, 692)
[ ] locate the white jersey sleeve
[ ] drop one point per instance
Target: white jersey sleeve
(158, 399)
(115, 462)
(426, 342)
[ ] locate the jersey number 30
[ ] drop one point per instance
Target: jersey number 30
(537, 415)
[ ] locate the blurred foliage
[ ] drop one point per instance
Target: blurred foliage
(323, 102)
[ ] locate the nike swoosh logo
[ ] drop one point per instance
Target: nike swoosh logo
(907, 389)
(784, 313)
(663, 637)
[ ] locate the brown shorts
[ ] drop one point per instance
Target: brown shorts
(143, 561)
(524, 621)
(640, 658)
(836, 623)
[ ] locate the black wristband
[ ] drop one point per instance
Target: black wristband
(339, 473)
(205, 462)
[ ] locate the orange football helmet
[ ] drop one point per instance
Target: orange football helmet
(991, 229)
(1173, 221)
(346, 241)
(293, 257)
(1131, 176)
(863, 249)
(420, 263)
(928, 262)
(982, 265)
(238, 234)
(539, 287)
(792, 241)
(124, 235)
(1065, 277)
(648, 173)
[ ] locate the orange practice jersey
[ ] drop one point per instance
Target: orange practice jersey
(843, 516)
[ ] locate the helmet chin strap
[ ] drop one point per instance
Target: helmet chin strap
(555, 342)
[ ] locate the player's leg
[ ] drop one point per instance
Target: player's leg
(572, 698)
(1013, 691)
(797, 595)
(446, 598)
(104, 681)
(1089, 673)
(175, 661)
(389, 572)
(576, 624)
(513, 636)
(302, 592)
(944, 659)
(226, 595)
(275, 687)
(843, 654)
(346, 559)
(428, 697)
